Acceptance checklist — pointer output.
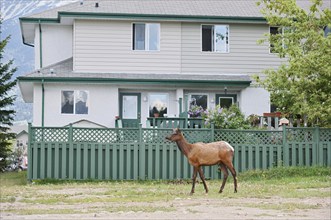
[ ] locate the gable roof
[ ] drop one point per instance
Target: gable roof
(179, 9)
(225, 8)
(230, 11)
(84, 123)
(19, 127)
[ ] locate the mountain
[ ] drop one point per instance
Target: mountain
(23, 55)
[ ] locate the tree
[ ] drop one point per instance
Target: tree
(302, 86)
(6, 101)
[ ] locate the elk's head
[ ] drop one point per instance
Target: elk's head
(175, 136)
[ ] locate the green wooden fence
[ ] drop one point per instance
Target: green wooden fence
(143, 153)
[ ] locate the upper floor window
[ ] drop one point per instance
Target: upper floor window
(146, 36)
(274, 31)
(215, 38)
(327, 31)
(277, 33)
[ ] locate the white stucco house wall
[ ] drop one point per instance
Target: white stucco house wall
(101, 60)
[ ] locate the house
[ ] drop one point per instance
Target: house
(101, 60)
(20, 143)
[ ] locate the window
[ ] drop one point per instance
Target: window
(215, 38)
(197, 104)
(158, 105)
(81, 102)
(273, 32)
(199, 100)
(67, 102)
(226, 100)
(74, 102)
(277, 33)
(327, 31)
(146, 36)
(130, 107)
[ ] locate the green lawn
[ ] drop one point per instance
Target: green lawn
(294, 182)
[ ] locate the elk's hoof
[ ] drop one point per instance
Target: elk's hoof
(220, 191)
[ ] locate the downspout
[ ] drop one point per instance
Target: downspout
(40, 47)
(42, 103)
(42, 82)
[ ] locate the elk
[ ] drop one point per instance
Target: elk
(206, 154)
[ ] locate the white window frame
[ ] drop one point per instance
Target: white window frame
(147, 30)
(214, 40)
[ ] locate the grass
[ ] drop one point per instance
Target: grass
(67, 197)
(285, 172)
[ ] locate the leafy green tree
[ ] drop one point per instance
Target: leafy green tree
(301, 86)
(6, 101)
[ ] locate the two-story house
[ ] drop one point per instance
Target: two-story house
(98, 60)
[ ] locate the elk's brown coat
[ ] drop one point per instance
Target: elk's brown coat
(206, 154)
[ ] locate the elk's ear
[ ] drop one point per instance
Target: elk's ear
(178, 131)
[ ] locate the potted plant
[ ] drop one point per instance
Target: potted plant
(159, 109)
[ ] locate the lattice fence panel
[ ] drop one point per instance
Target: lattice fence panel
(299, 134)
(325, 135)
(50, 134)
(95, 135)
(198, 135)
(128, 135)
(155, 135)
(191, 135)
(249, 137)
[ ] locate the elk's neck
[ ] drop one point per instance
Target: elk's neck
(184, 146)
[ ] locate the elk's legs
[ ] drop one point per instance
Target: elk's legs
(226, 174)
(202, 176)
(234, 174)
(195, 171)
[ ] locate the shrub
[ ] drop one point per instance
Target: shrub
(196, 111)
(226, 118)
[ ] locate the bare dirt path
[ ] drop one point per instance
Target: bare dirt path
(187, 208)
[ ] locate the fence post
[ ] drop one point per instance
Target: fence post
(212, 132)
(70, 134)
(180, 106)
(286, 159)
(141, 160)
(319, 156)
(30, 158)
(269, 123)
(71, 152)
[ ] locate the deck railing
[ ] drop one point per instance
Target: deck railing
(143, 153)
(175, 122)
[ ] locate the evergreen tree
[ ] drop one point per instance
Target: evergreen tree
(6, 102)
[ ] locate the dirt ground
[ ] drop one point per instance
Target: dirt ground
(188, 208)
